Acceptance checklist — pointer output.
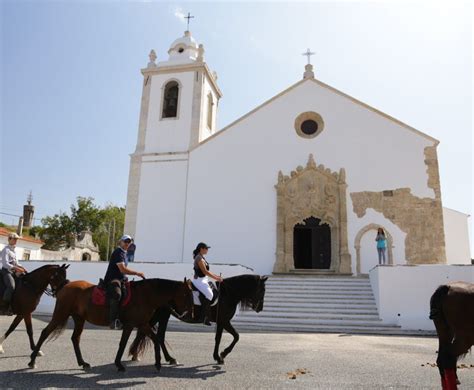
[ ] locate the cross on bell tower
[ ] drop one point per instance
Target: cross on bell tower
(188, 17)
(308, 73)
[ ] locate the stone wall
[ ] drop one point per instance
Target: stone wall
(420, 218)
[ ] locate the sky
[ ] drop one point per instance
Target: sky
(71, 81)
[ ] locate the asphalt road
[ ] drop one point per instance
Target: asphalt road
(259, 361)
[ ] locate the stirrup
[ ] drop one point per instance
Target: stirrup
(116, 325)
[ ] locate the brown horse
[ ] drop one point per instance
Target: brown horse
(452, 311)
(27, 295)
(246, 290)
(147, 296)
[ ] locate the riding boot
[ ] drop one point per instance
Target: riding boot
(205, 309)
(113, 315)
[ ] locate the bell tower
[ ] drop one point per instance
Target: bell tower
(178, 111)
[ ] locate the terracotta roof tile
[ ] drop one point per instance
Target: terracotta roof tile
(6, 232)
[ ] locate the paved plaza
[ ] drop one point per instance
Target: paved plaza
(259, 361)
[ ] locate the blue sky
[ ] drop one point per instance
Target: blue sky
(71, 82)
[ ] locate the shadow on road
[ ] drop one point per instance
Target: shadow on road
(105, 376)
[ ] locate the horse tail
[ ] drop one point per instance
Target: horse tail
(436, 303)
(139, 345)
(58, 330)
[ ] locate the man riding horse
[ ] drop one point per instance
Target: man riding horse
(115, 276)
(10, 268)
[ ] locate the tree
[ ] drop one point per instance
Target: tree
(60, 230)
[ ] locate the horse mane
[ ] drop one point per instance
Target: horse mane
(41, 268)
(241, 288)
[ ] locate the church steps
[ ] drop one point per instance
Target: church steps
(310, 321)
(319, 297)
(324, 293)
(316, 315)
(319, 309)
(317, 304)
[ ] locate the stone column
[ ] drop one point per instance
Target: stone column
(345, 265)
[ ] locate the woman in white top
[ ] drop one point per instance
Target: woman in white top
(201, 279)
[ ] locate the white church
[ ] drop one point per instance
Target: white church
(299, 184)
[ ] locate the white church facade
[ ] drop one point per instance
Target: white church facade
(299, 184)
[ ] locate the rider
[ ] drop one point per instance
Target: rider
(10, 267)
(201, 280)
(114, 277)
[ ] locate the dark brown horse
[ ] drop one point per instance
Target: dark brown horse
(246, 290)
(147, 296)
(28, 291)
(452, 311)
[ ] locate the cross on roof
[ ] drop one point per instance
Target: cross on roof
(188, 17)
(308, 54)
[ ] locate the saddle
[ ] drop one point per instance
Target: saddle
(99, 294)
(198, 295)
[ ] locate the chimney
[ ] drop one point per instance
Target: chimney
(19, 229)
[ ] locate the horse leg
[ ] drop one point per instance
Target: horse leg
(219, 330)
(458, 347)
(44, 335)
(162, 326)
(157, 342)
(29, 330)
(229, 328)
(123, 343)
(76, 338)
(12, 327)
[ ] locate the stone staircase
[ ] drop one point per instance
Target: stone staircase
(317, 304)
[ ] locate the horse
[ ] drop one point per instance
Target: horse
(452, 311)
(246, 290)
(74, 300)
(29, 289)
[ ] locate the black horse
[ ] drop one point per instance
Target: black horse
(452, 311)
(246, 290)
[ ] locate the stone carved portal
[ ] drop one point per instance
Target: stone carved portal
(315, 192)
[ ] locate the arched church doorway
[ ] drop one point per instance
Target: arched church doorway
(312, 245)
(86, 256)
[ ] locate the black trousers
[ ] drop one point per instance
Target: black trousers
(114, 294)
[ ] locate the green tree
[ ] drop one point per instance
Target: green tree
(110, 230)
(106, 225)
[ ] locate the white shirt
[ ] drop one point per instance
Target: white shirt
(8, 257)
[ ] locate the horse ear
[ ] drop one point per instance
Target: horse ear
(66, 266)
(264, 278)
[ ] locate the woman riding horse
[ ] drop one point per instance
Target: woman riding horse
(246, 290)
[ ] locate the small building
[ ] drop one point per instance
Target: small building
(82, 249)
(26, 248)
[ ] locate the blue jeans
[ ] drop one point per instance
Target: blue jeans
(381, 252)
(9, 283)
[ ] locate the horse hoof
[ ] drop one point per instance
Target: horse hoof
(173, 362)
(86, 366)
(158, 367)
(31, 365)
(2, 351)
(121, 369)
(219, 360)
(135, 359)
(40, 353)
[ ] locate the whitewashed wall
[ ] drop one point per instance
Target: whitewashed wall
(161, 211)
(169, 134)
(457, 237)
(91, 272)
(231, 197)
(403, 293)
(21, 247)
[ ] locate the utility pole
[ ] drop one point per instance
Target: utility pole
(108, 241)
